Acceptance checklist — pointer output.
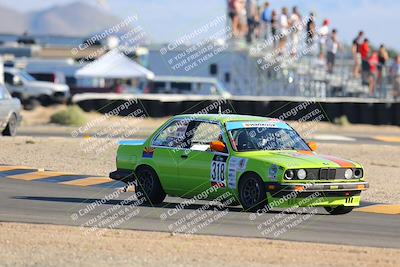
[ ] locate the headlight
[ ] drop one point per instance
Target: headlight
(301, 174)
(289, 174)
(358, 173)
(348, 174)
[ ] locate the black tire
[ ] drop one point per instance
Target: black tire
(11, 128)
(252, 193)
(45, 100)
(339, 210)
(148, 184)
(31, 104)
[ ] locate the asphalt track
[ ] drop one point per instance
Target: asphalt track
(50, 203)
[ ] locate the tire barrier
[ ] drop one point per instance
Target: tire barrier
(356, 110)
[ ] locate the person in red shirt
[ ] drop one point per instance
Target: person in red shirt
(364, 52)
(373, 62)
(364, 49)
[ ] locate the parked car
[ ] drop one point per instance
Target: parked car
(262, 162)
(9, 112)
(53, 77)
(32, 92)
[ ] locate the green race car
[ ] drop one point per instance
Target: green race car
(262, 162)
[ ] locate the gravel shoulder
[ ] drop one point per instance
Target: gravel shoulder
(50, 245)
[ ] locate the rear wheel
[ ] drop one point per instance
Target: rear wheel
(148, 184)
(252, 194)
(11, 128)
(31, 104)
(338, 210)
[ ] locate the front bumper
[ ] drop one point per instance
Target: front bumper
(326, 189)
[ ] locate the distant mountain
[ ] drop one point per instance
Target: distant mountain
(74, 19)
(12, 21)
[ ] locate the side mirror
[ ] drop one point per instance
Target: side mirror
(312, 146)
(217, 146)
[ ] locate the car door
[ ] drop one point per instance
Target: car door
(200, 168)
(166, 149)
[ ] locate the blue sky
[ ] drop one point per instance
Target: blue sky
(165, 20)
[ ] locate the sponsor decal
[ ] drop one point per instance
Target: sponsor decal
(256, 124)
(260, 124)
(242, 164)
(235, 165)
(272, 172)
(148, 152)
(218, 171)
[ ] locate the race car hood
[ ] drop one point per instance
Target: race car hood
(299, 159)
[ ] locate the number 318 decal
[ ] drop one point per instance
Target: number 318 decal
(218, 168)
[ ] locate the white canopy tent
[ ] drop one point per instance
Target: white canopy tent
(114, 65)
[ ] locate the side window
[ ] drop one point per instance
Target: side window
(203, 134)
(8, 78)
(173, 135)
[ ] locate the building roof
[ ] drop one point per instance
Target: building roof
(114, 65)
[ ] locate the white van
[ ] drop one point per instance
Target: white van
(32, 92)
(186, 85)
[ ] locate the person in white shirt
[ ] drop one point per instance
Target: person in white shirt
(283, 23)
(297, 27)
(332, 47)
(323, 33)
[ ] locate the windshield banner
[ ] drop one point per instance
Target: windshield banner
(256, 124)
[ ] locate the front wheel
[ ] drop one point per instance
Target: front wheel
(339, 210)
(252, 194)
(11, 128)
(148, 184)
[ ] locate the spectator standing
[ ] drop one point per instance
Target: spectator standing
(355, 50)
(266, 20)
(395, 76)
(297, 27)
(310, 27)
(234, 16)
(373, 62)
(332, 47)
(323, 36)
(257, 30)
(383, 57)
(252, 18)
(274, 26)
(364, 53)
(283, 29)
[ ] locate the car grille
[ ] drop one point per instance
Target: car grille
(326, 174)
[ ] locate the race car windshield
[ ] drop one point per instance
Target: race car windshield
(266, 138)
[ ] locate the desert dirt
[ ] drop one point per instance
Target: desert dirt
(50, 245)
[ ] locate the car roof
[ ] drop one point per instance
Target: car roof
(223, 117)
